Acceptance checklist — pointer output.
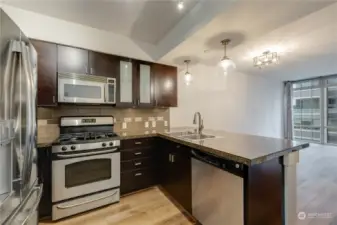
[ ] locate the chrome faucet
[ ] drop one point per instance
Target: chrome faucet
(200, 121)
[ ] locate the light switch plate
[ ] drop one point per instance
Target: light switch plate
(138, 119)
(146, 124)
(127, 119)
(153, 123)
(160, 118)
(124, 125)
(165, 123)
(151, 118)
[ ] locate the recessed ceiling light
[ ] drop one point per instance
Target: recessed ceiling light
(180, 5)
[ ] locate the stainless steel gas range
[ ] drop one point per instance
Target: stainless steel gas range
(85, 165)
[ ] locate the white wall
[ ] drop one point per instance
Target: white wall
(237, 102)
(47, 28)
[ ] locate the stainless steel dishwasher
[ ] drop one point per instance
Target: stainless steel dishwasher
(217, 190)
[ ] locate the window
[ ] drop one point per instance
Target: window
(314, 110)
(306, 111)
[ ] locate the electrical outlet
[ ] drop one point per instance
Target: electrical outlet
(124, 125)
(153, 123)
(146, 124)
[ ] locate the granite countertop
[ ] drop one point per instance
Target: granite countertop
(243, 148)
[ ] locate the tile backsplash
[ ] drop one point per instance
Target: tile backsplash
(126, 120)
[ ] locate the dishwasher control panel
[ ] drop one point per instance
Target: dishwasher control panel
(224, 164)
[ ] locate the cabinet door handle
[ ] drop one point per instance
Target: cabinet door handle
(138, 143)
(170, 158)
(53, 98)
(86, 69)
(173, 160)
(138, 174)
(91, 70)
(138, 153)
(138, 163)
(138, 102)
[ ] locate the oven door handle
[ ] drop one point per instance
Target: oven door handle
(85, 202)
(86, 154)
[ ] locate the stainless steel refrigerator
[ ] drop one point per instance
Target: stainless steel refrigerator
(20, 192)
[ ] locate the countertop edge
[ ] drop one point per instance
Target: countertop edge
(225, 155)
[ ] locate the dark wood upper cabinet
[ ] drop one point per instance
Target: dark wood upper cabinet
(47, 73)
(101, 64)
(165, 85)
(72, 60)
(144, 85)
(126, 83)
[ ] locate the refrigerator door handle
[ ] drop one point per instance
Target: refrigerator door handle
(13, 217)
(28, 150)
(39, 189)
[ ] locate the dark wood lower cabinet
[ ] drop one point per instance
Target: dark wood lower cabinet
(44, 165)
(175, 172)
(150, 161)
(138, 164)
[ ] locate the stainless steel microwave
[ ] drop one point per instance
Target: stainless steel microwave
(82, 88)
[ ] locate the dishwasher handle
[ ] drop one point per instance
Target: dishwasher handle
(224, 164)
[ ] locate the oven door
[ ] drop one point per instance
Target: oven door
(80, 91)
(79, 176)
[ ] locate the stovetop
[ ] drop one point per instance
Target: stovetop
(85, 137)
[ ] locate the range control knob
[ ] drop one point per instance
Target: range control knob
(73, 147)
(103, 144)
(237, 166)
(64, 148)
(111, 144)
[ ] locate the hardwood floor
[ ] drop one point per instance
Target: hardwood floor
(317, 185)
(149, 207)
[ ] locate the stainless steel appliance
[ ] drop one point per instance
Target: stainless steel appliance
(217, 190)
(82, 88)
(19, 190)
(85, 165)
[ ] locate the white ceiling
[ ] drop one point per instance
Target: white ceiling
(142, 20)
(304, 32)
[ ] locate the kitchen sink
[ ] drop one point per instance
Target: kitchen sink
(198, 136)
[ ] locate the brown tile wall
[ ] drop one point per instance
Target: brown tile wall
(135, 120)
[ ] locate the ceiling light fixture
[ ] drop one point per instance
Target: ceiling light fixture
(266, 59)
(180, 5)
(188, 75)
(226, 63)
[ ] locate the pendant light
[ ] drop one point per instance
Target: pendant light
(226, 63)
(188, 75)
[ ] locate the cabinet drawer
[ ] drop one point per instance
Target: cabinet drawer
(136, 180)
(136, 153)
(137, 164)
(136, 143)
